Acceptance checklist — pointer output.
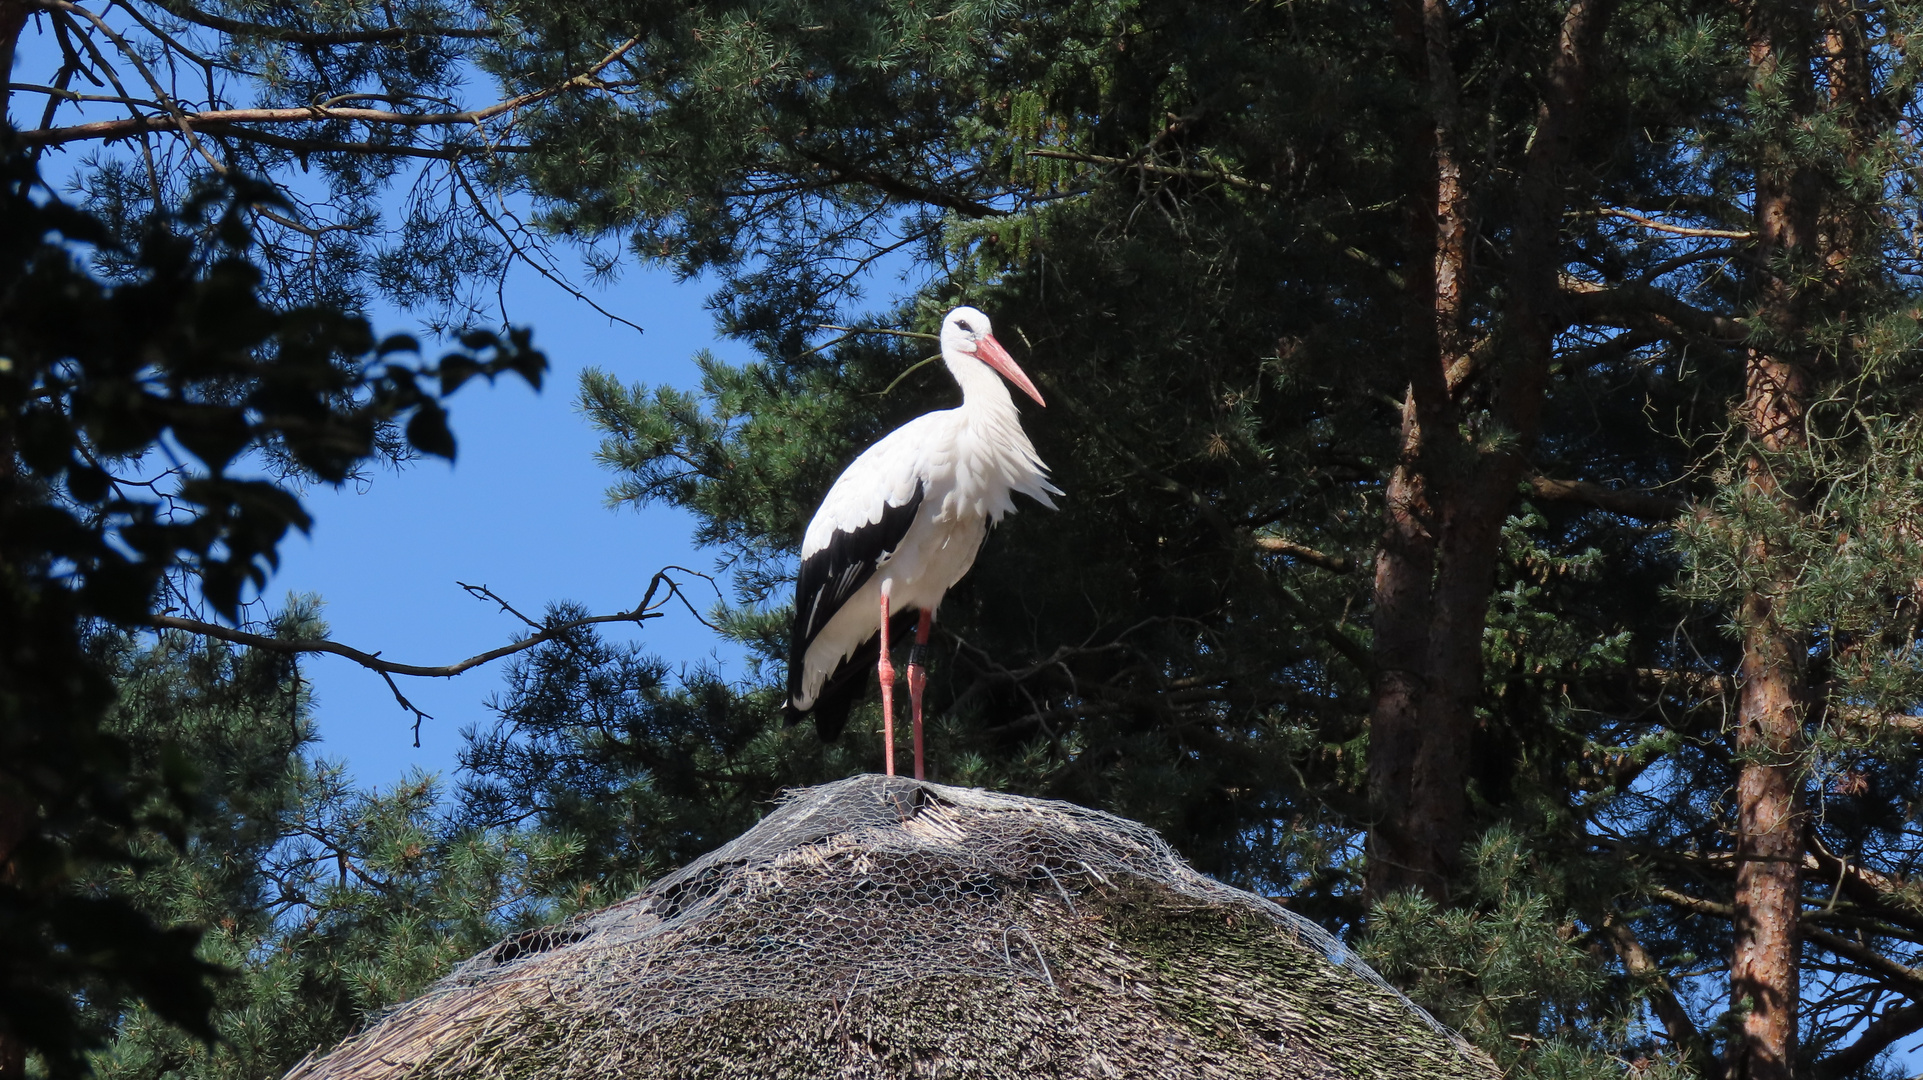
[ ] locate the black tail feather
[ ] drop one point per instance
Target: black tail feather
(850, 682)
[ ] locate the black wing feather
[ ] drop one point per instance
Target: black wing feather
(827, 579)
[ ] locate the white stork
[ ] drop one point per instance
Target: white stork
(900, 527)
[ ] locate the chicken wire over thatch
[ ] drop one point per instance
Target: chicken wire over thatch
(883, 927)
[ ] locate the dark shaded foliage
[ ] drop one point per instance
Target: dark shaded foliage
(180, 362)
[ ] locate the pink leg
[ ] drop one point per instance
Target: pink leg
(918, 679)
(887, 672)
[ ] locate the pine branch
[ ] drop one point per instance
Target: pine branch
(1681, 1030)
(1231, 535)
(1692, 904)
(1893, 1024)
(899, 188)
(1862, 716)
(1897, 976)
(318, 37)
(188, 122)
(1595, 302)
(109, 130)
(1864, 883)
(449, 152)
(1700, 681)
(1219, 176)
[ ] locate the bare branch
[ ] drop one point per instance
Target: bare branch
(1641, 505)
(1340, 564)
(1677, 230)
(482, 592)
(1908, 980)
(1603, 303)
(373, 661)
(63, 94)
(1893, 1024)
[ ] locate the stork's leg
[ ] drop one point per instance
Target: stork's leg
(918, 678)
(886, 671)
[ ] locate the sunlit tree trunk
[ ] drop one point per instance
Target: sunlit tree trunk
(1773, 696)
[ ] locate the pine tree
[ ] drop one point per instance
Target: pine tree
(323, 904)
(1191, 219)
(1465, 409)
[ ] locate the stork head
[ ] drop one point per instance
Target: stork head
(966, 332)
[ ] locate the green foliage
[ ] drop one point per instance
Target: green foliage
(1192, 223)
(322, 904)
(182, 362)
(335, 241)
(1516, 966)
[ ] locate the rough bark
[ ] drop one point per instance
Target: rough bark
(1769, 827)
(1772, 697)
(1446, 500)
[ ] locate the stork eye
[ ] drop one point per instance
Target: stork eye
(963, 323)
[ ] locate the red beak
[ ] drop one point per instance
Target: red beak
(992, 354)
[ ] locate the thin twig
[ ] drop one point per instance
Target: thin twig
(482, 592)
(120, 129)
(853, 330)
(521, 253)
(1229, 178)
(912, 368)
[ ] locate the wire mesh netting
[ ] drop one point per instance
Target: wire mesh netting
(889, 927)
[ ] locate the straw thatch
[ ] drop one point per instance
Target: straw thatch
(889, 928)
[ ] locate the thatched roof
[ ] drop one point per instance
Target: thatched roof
(881, 927)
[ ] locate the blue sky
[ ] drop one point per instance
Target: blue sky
(521, 510)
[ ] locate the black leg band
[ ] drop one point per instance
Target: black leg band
(918, 655)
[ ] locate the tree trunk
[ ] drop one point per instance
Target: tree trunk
(13, 19)
(1447, 500)
(16, 817)
(1417, 798)
(1769, 798)
(17, 812)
